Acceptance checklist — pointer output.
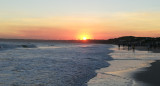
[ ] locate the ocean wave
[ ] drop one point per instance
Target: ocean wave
(11, 46)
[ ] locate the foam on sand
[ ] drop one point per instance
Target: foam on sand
(122, 68)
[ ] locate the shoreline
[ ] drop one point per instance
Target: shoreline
(56, 67)
(103, 64)
(117, 72)
(150, 75)
(124, 75)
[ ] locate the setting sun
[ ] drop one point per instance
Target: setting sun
(84, 38)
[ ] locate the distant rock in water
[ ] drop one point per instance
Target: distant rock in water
(28, 46)
(25, 46)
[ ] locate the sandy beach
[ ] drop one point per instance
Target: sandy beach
(150, 75)
(128, 68)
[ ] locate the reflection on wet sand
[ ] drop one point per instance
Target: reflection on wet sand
(122, 68)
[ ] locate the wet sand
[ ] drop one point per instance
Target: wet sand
(150, 75)
(141, 64)
(120, 74)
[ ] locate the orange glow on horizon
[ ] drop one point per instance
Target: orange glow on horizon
(78, 27)
(84, 37)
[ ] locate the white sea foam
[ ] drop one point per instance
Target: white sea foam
(66, 64)
(122, 68)
(63, 64)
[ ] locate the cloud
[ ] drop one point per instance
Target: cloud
(46, 33)
(107, 25)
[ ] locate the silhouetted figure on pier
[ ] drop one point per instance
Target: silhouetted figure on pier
(133, 47)
(149, 46)
(129, 46)
(123, 45)
(119, 46)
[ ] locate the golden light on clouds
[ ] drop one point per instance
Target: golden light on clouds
(105, 26)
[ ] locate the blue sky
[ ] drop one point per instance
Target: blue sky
(60, 7)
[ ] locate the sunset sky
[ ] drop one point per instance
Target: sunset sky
(74, 19)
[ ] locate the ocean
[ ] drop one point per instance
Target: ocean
(70, 64)
(50, 64)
